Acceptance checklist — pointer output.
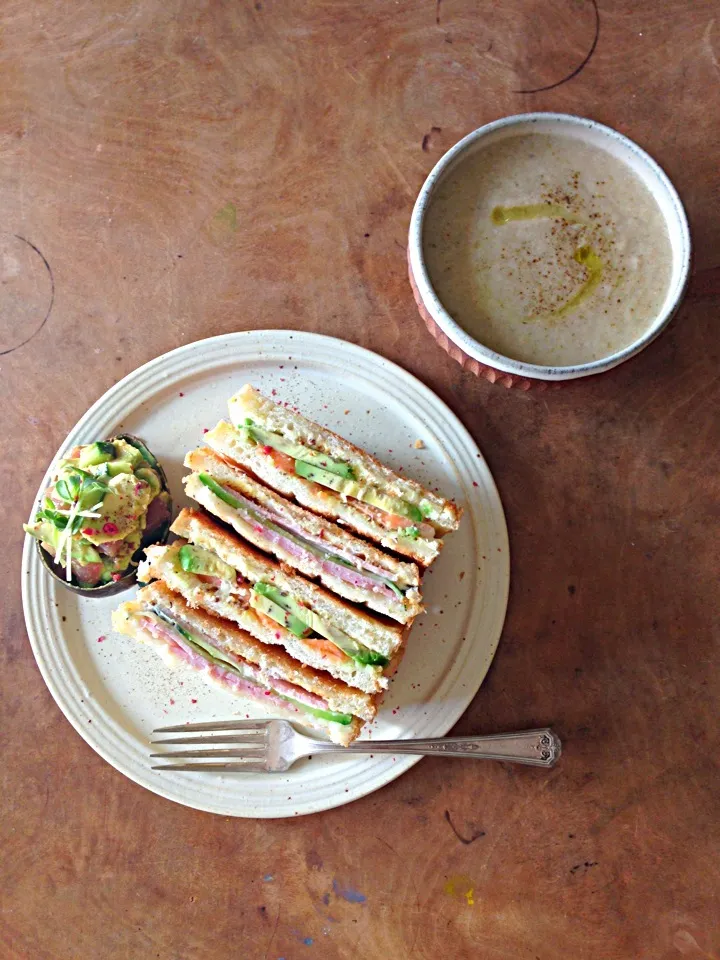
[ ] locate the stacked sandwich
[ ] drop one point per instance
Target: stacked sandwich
(267, 591)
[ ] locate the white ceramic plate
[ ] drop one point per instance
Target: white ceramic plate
(114, 691)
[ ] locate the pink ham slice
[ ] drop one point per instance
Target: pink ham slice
(293, 549)
(180, 648)
(86, 574)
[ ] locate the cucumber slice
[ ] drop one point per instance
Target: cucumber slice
(96, 453)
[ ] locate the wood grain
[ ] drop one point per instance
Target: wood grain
(192, 168)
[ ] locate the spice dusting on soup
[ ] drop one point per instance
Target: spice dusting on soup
(547, 250)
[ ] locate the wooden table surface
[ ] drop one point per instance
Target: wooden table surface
(172, 171)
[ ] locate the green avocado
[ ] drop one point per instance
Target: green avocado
(351, 488)
(344, 718)
(308, 618)
(149, 476)
(129, 453)
(264, 598)
(198, 560)
(297, 451)
(219, 491)
(96, 453)
(48, 533)
(111, 468)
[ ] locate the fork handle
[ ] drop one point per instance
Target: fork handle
(538, 748)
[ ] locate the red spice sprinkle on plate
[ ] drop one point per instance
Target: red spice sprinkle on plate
(474, 483)
(181, 394)
(193, 700)
(206, 430)
(100, 639)
(172, 702)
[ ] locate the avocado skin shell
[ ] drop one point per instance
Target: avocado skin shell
(129, 579)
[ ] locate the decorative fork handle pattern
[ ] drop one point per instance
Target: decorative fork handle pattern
(538, 748)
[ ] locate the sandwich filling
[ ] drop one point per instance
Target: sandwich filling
(409, 520)
(271, 604)
(201, 652)
(273, 528)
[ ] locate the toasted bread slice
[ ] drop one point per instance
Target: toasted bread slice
(351, 568)
(229, 443)
(444, 515)
(254, 670)
(372, 631)
(163, 563)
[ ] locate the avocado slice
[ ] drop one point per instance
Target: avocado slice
(129, 453)
(149, 476)
(344, 718)
(199, 560)
(308, 618)
(297, 451)
(111, 468)
(219, 492)
(48, 533)
(263, 598)
(96, 453)
(351, 488)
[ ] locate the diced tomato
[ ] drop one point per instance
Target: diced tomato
(394, 522)
(282, 461)
(207, 578)
(326, 648)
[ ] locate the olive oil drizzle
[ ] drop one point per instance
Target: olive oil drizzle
(584, 255)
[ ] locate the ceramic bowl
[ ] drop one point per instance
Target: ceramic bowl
(468, 351)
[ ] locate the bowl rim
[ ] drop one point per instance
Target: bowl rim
(472, 347)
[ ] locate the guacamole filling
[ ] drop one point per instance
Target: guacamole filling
(103, 499)
(300, 544)
(408, 519)
(205, 653)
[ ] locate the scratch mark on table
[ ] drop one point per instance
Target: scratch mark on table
(475, 835)
(581, 66)
(272, 935)
(396, 170)
(45, 319)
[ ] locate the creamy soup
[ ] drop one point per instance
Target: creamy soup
(547, 250)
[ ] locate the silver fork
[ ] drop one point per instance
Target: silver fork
(273, 746)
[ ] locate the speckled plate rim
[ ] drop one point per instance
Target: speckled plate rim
(242, 795)
(484, 355)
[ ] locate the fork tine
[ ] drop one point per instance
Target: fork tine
(231, 752)
(246, 767)
(225, 738)
(215, 725)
